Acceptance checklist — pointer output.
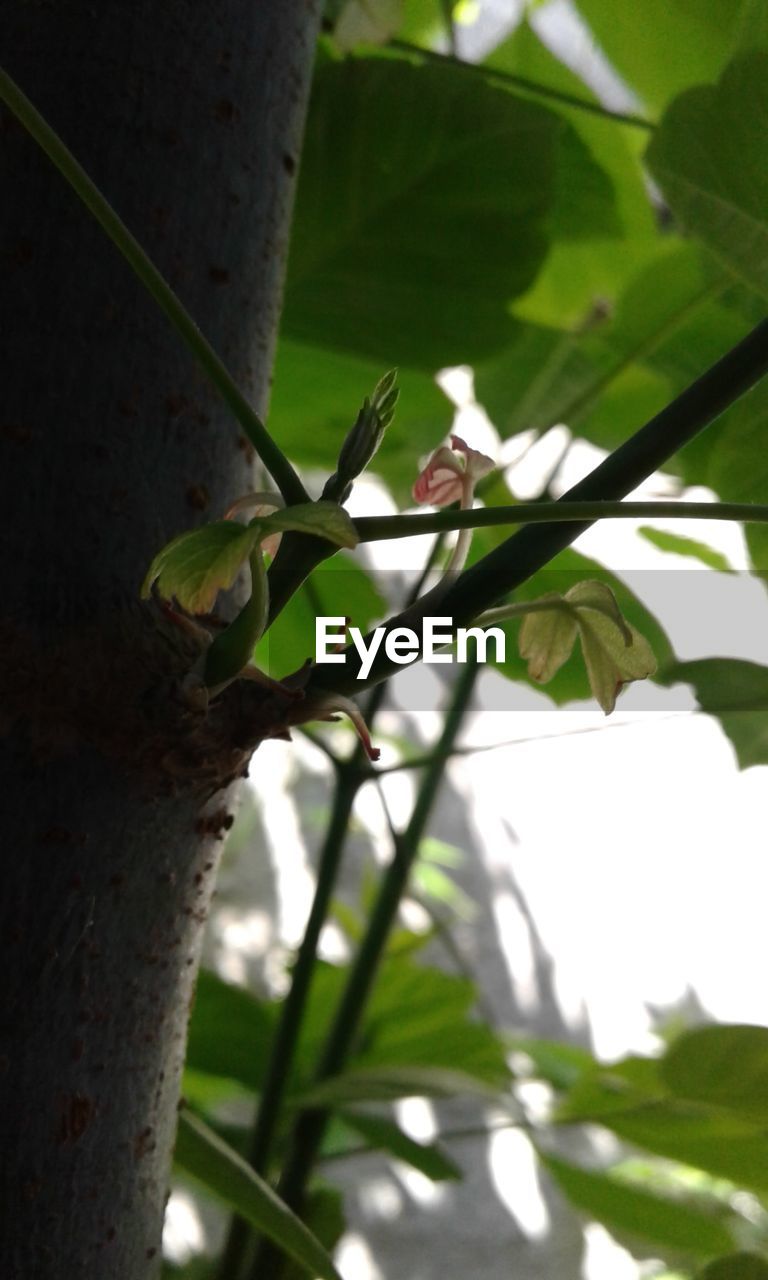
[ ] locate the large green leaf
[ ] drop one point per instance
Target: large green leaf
(737, 693)
(708, 156)
(643, 1214)
(337, 588)
(726, 1066)
(426, 202)
(575, 275)
(661, 47)
(200, 1152)
(230, 1031)
(737, 1266)
(667, 329)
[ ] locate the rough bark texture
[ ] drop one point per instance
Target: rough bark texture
(189, 117)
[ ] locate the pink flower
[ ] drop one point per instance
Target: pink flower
(451, 474)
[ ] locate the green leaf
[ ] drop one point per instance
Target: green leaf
(708, 157)
(337, 588)
(575, 274)
(387, 1083)
(680, 545)
(322, 519)
(723, 1145)
(230, 1031)
(199, 564)
(624, 1207)
(560, 1064)
(737, 693)
(661, 47)
(737, 1266)
(383, 1134)
(425, 203)
(726, 1066)
(324, 1215)
(200, 1152)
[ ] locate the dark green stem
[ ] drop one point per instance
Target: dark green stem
(532, 547)
(348, 782)
(57, 151)
(513, 81)
(311, 1124)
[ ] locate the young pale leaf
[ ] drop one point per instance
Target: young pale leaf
(611, 662)
(199, 564)
(323, 519)
(202, 1153)
(547, 639)
(629, 1208)
(599, 598)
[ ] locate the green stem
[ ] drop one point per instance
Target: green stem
(311, 1125)
(377, 528)
(271, 455)
(497, 76)
(283, 1050)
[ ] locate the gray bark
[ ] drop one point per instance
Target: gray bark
(116, 795)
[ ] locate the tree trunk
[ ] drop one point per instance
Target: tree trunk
(117, 794)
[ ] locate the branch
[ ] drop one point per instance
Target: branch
(376, 528)
(508, 78)
(57, 151)
(532, 547)
(346, 1024)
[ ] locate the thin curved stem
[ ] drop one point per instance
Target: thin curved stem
(514, 81)
(55, 148)
(377, 528)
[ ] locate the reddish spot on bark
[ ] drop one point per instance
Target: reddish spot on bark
(176, 403)
(143, 1144)
(289, 164)
(61, 835)
(19, 432)
(111, 1232)
(76, 882)
(225, 111)
(219, 275)
(116, 880)
(78, 1049)
(24, 251)
(76, 1111)
(214, 824)
(151, 1253)
(198, 497)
